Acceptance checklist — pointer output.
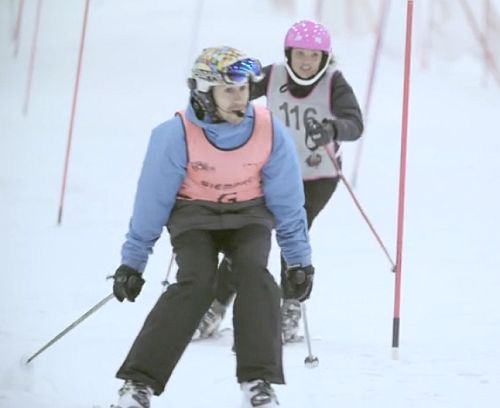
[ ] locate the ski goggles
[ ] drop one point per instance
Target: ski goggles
(243, 70)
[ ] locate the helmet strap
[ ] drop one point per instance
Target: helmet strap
(310, 81)
(203, 104)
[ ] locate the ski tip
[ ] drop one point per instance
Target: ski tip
(395, 353)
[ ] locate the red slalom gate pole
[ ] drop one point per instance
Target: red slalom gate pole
(16, 35)
(73, 111)
(402, 180)
(32, 57)
(371, 80)
(488, 55)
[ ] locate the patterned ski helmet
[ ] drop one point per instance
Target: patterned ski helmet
(310, 35)
(223, 66)
(219, 66)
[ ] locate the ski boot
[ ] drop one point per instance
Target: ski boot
(210, 322)
(258, 393)
(134, 394)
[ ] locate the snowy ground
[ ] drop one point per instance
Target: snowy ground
(135, 64)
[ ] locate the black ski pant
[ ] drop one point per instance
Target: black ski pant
(317, 194)
(170, 325)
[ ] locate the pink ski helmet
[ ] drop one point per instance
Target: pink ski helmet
(310, 35)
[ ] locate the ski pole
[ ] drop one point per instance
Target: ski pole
(71, 326)
(165, 282)
(310, 361)
(358, 205)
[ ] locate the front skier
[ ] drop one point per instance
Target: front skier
(219, 176)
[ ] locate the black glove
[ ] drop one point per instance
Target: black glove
(298, 282)
(319, 134)
(128, 283)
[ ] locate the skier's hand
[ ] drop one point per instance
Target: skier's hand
(127, 283)
(320, 134)
(298, 282)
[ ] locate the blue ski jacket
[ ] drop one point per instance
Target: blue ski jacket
(164, 170)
